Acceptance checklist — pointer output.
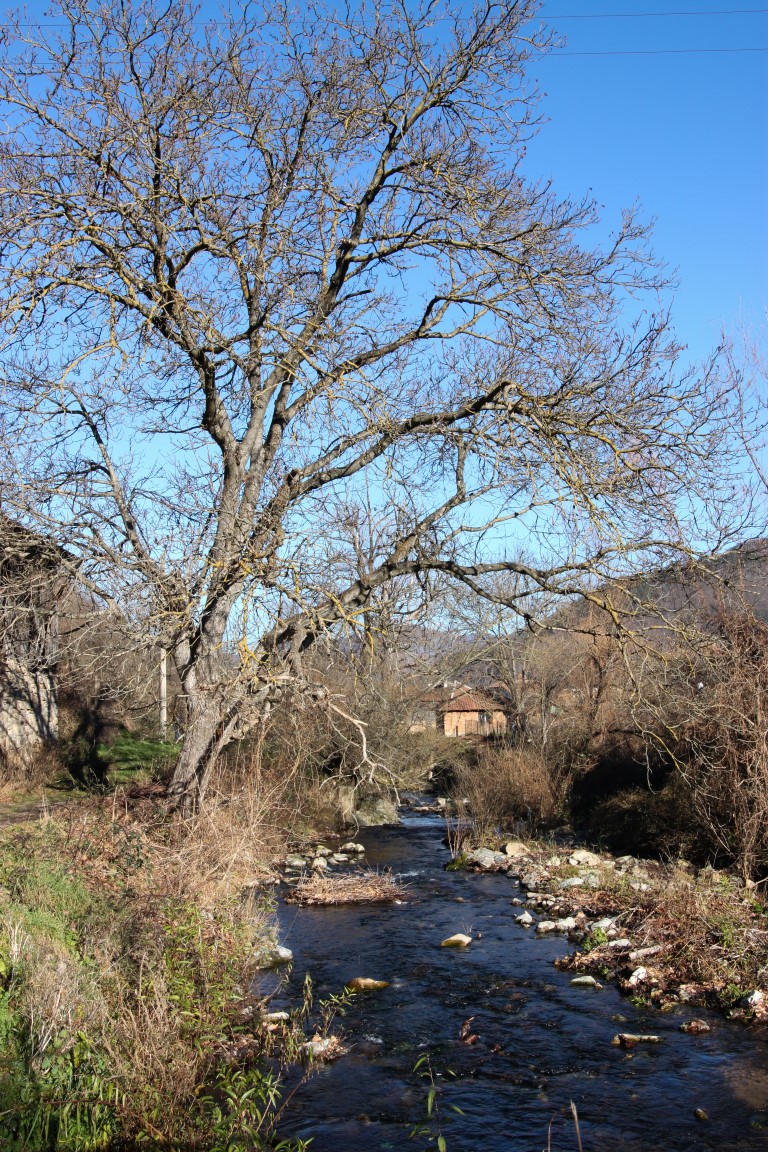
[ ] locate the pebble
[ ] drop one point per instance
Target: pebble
(585, 982)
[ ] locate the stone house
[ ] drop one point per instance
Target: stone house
(30, 589)
(473, 713)
(459, 710)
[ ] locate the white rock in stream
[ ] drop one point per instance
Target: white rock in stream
(585, 982)
(277, 956)
(458, 940)
(351, 846)
(525, 920)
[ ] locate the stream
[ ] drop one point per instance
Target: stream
(541, 1042)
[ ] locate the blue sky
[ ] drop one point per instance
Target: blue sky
(683, 132)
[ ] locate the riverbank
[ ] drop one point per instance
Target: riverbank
(665, 933)
(129, 942)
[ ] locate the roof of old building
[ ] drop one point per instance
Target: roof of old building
(471, 702)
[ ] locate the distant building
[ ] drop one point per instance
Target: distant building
(459, 710)
(473, 713)
(30, 589)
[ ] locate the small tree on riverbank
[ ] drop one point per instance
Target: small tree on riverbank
(277, 277)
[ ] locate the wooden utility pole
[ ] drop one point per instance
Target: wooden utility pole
(163, 694)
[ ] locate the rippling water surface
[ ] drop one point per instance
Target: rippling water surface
(541, 1043)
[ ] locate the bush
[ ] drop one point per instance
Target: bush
(511, 783)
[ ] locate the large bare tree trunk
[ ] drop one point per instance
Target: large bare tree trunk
(203, 741)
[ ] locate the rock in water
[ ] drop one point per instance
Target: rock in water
(630, 1039)
(366, 984)
(458, 940)
(695, 1027)
(585, 982)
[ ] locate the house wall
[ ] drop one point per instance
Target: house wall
(29, 711)
(468, 724)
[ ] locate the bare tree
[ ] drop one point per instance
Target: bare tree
(263, 272)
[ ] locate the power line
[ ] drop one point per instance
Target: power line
(646, 15)
(650, 52)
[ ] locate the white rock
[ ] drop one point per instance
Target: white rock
(339, 858)
(622, 942)
(276, 1017)
(295, 862)
(582, 856)
(276, 956)
(567, 924)
(585, 982)
(458, 940)
(545, 926)
(487, 858)
(515, 848)
(525, 920)
(602, 925)
(753, 1000)
(572, 882)
(320, 864)
(639, 976)
(321, 850)
(317, 1047)
(351, 846)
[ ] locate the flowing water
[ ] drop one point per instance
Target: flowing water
(541, 1043)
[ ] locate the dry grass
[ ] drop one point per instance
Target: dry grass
(711, 933)
(349, 888)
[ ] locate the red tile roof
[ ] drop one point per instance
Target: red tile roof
(472, 702)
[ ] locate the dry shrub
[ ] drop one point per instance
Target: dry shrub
(720, 749)
(41, 766)
(708, 933)
(509, 784)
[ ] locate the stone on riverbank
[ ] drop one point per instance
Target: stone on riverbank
(487, 859)
(585, 982)
(525, 920)
(516, 848)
